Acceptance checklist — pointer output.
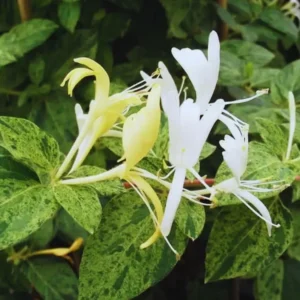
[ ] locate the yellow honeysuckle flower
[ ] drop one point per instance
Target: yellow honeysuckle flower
(102, 81)
(140, 132)
(61, 252)
(103, 113)
(141, 128)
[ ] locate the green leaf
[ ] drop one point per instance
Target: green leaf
(294, 249)
(231, 70)
(227, 18)
(190, 218)
(279, 281)
(176, 12)
(82, 203)
(114, 25)
(239, 243)
(273, 136)
(24, 207)
(114, 144)
(68, 228)
(69, 14)
(113, 265)
(9, 168)
(60, 61)
(296, 191)
(106, 188)
(291, 281)
(43, 236)
(36, 70)
(268, 284)
(24, 37)
(9, 78)
(134, 5)
(262, 165)
(160, 147)
(288, 79)
(57, 120)
(277, 20)
(52, 278)
(261, 78)
(31, 92)
(250, 52)
(30, 146)
(208, 149)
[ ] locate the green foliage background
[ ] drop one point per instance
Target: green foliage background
(231, 252)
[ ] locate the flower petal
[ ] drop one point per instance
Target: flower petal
(173, 201)
(263, 212)
(202, 72)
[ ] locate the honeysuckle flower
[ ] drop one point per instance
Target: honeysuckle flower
(292, 9)
(292, 109)
(187, 136)
(235, 155)
(25, 253)
(187, 131)
(203, 72)
(140, 132)
(103, 113)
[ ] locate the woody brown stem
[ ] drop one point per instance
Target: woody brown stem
(223, 26)
(24, 9)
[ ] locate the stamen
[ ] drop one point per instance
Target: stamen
(258, 94)
(202, 181)
(292, 108)
(169, 174)
(154, 217)
(182, 85)
(185, 93)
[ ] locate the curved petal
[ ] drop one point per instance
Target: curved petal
(182, 150)
(263, 212)
(202, 72)
(236, 147)
(143, 127)
(173, 201)
(102, 80)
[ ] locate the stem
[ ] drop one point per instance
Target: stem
(9, 92)
(24, 9)
(223, 26)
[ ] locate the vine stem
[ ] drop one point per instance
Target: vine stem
(223, 26)
(24, 9)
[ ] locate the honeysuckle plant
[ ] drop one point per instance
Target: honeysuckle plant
(112, 216)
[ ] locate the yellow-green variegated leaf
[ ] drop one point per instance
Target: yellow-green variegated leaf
(24, 207)
(81, 203)
(113, 265)
(239, 243)
(262, 165)
(30, 146)
(268, 283)
(190, 218)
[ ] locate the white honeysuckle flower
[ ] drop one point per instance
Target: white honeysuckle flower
(292, 109)
(191, 122)
(235, 155)
(187, 136)
(292, 9)
(203, 72)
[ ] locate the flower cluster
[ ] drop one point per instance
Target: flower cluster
(190, 122)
